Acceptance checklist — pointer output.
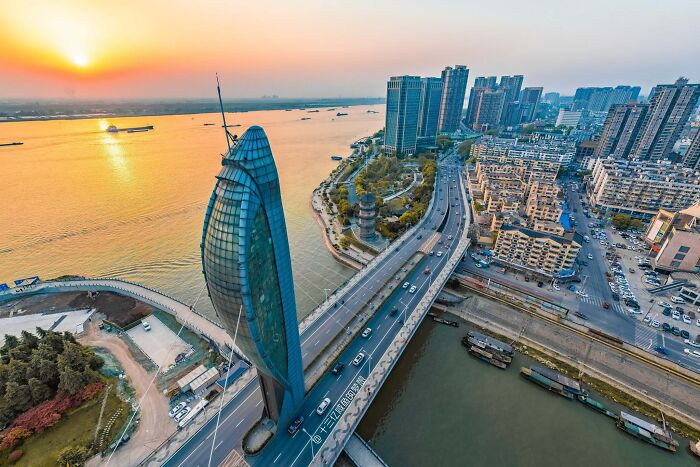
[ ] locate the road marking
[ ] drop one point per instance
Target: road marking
(277, 458)
(258, 404)
(238, 424)
(217, 446)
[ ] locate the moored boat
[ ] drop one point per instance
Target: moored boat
(595, 405)
(487, 357)
(574, 387)
(652, 434)
(546, 383)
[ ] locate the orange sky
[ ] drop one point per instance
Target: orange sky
(159, 48)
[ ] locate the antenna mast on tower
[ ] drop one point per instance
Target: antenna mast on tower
(230, 139)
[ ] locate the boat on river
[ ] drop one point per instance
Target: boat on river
(648, 432)
(588, 401)
(546, 383)
(336, 158)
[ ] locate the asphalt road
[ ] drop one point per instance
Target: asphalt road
(244, 409)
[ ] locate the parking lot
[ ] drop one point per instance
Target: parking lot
(160, 344)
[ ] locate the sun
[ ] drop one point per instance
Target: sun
(79, 60)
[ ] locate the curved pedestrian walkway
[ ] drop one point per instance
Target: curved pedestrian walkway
(184, 313)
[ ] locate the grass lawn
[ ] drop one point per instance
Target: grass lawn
(77, 427)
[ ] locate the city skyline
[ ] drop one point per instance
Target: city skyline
(90, 51)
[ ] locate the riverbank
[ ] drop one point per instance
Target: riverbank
(629, 381)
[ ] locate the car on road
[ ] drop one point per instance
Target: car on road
(666, 311)
(632, 311)
(338, 368)
(405, 285)
(697, 323)
(176, 409)
(691, 343)
(677, 299)
(394, 311)
(580, 315)
(606, 305)
(647, 319)
(660, 349)
(676, 316)
(439, 253)
(664, 304)
(412, 289)
(556, 287)
(589, 256)
(692, 353)
(366, 332)
(426, 271)
(540, 284)
(323, 406)
(296, 424)
(182, 413)
(357, 360)
(632, 270)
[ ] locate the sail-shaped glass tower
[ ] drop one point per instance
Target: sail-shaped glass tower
(247, 268)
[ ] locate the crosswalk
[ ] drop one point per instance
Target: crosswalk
(615, 306)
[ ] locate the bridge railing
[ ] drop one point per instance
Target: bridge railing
(348, 421)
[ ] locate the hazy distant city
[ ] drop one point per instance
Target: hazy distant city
(486, 253)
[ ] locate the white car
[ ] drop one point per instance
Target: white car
(691, 343)
(405, 285)
(439, 253)
(590, 256)
(686, 319)
(323, 406)
(176, 409)
(655, 324)
(182, 413)
(366, 332)
(412, 289)
(632, 311)
(664, 304)
(697, 323)
(357, 360)
(556, 287)
(647, 319)
(677, 299)
(146, 326)
(693, 353)
(676, 316)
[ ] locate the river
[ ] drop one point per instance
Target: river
(79, 200)
(443, 407)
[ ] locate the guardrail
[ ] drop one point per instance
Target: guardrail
(348, 421)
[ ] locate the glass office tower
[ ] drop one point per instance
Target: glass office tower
(247, 268)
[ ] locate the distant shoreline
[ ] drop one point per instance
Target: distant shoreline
(12, 112)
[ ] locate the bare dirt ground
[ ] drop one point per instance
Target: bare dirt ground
(119, 309)
(155, 425)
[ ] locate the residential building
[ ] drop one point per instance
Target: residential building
(542, 208)
(511, 87)
(641, 188)
(488, 110)
(481, 85)
(429, 108)
(552, 98)
(675, 239)
(550, 227)
(539, 252)
(452, 101)
(623, 95)
(568, 118)
(402, 103)
(692, 155)
(670, 106)
(621, 130)
(560, 152)
(601, 99)
(529, 100)
(248, 271)
(585, 150)
(598, 101)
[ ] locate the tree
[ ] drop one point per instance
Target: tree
(465, 147)
(621, 221)
(474, 232)
(18, 396)
(70, 380)
(40, 391)
(73, 456)
(443, 141)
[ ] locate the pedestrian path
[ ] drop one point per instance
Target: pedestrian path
(617, 307)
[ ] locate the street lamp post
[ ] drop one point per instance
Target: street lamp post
(311, 440)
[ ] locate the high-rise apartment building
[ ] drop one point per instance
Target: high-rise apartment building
(670, 106)
(601, 99)
(511, 86)
(692, 156)
(481, 84)
(429, 108)
(452, 100)
(621, 129)
(402, 103)
(248, 271)
(598, 101)
(568, 118)
(488, 111)
(529, 99)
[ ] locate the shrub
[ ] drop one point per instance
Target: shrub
(15, 455)
(74, 456)
(13, 436)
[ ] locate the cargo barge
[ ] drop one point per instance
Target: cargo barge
(648, 432)
(489, 343)
(574, 387)
(595, 405)
(336, 158)
(546, 383)
(136, 129)
(487, 357)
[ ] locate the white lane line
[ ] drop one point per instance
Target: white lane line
(238, 424)
(218, 444)
(277, 458)
(258, 404)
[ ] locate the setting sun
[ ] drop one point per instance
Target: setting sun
(81, 61)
